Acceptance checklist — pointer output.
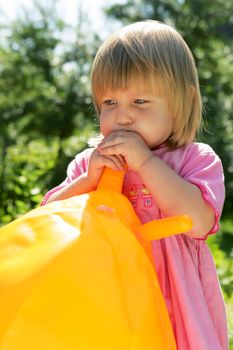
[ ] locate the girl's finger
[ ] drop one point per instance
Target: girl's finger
(111, 140)
(110, 150)
(112, 162)
(121, 159)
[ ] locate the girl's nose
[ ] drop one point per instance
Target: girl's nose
(124, 117)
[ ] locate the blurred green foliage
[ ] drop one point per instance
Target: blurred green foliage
(45, 104)
(25, 171)
(46, 115)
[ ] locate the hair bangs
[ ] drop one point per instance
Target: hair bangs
(117, 69)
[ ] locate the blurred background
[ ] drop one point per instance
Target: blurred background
(46, 114)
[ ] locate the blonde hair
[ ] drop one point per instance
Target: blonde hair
(152, 50)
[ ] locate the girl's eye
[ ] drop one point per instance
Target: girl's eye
(109, 102)
(140, 101)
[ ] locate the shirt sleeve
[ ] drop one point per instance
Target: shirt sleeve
(203, 168)
(76, 167)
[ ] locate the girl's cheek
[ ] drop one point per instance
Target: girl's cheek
(105, 126)
(105, 132)
(102, 124)
(103, 129)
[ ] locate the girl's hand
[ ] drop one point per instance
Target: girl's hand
(127, 144)
(97, 163)
(89, 180)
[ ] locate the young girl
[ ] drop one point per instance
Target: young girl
(146, 94)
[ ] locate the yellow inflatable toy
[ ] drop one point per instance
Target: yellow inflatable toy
(77, 274)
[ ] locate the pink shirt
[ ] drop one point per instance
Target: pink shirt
(184, 265)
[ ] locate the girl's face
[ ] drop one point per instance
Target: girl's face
(138, 108)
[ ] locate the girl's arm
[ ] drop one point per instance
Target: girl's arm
(78, 186)
(176, 196)
(173, 194)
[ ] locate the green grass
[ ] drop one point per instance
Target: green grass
(221, 246)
